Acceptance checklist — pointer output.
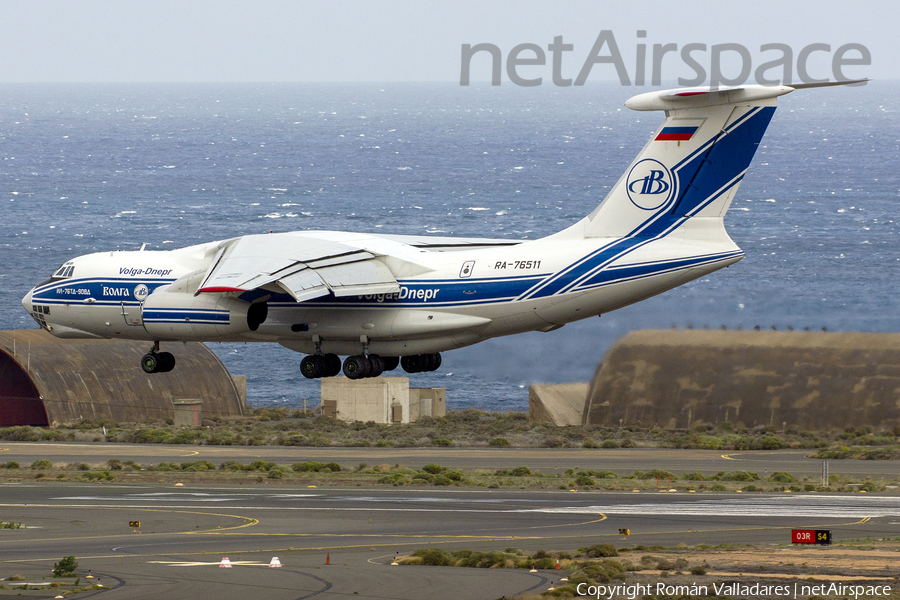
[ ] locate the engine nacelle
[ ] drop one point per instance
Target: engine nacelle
(183, 316)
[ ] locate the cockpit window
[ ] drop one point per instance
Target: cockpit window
(64, 271)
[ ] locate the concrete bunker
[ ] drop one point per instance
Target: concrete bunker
(815, 380)
(46, 381)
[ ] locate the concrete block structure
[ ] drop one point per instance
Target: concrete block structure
(379, 399)
(561, 404)
(427, 402)
(188, 413)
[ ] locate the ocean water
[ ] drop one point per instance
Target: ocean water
(96, 167)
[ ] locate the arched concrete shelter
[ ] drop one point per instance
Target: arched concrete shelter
(46, 380)
(815, 380)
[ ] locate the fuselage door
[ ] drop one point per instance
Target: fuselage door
(132, 314)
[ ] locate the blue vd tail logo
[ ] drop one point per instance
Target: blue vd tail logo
(649, 184)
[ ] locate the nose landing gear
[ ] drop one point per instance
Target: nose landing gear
(156, 361)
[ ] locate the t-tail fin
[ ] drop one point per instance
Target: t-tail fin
(693, 164)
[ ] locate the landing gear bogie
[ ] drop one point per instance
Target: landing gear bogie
(157, 362)
(362, 366)
(419, 363)
(315, 366)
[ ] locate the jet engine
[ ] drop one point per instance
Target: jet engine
(181, 315)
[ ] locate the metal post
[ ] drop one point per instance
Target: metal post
(824, 473)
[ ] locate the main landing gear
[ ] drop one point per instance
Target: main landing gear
(361, 366)
(156, 361)
(421, 362)
(320, 365)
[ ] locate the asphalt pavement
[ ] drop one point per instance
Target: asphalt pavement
(186, 531)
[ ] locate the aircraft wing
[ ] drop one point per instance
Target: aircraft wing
(305, 267)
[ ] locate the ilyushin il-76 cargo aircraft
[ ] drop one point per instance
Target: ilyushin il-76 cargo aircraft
(389, 300)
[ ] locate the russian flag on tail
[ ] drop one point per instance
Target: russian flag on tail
(676, 134)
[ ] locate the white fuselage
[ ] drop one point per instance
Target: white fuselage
(448, 298)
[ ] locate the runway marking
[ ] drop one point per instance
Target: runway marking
(414, 540)
(176, 563)
(729, 456)
(4, 449)
(194, 453)
(217, 531)
(250, 521)
(838, 507)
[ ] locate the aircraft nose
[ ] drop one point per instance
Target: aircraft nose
(26, 301)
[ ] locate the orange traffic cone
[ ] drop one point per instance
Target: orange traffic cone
(225, 564)
(557, 564)
(328, 558)
(274, 563)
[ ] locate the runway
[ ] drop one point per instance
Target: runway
(185, 532)
(622, 461)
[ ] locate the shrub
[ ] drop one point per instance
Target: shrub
(520, 472)
(442, 480)
(198, 466)
(697, 476)
(782, 477)
(435, 557)
(21, 434)
(698, 570)
(498, 442)
(433, 468)
(585, 480)
(482, 560)
(395, 479)
(260, 465)
(600, 551)
(452, 475)
(655, 473)
(441, 442)
(740, 476)
(231, 465)
(10, 465)
(65, 567)
(308, 466)
(609, 444)
(41, 464)
(766, 442)
(102, 476)
(275, 473)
